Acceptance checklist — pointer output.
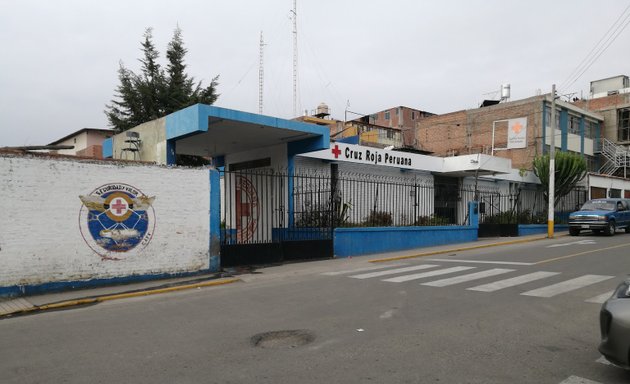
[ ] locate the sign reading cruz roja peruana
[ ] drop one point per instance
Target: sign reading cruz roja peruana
(372, 156)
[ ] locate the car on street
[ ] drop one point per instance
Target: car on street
(601, 215)
(614, 321)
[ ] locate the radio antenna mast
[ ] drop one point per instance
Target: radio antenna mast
(261, 75)
(295, 57)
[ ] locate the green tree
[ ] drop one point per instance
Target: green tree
(570, 168)
(153, 93)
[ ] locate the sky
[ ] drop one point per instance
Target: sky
(59, 59)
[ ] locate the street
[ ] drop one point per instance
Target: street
(521, 313)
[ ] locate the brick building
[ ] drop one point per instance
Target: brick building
(611, 98)
(485, 130)
(401, 118)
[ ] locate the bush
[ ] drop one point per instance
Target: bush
(378, 219)
(431, 221)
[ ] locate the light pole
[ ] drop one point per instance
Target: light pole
(552, 164)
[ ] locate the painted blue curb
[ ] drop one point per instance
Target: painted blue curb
(60, 286)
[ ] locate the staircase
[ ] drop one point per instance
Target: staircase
(617, 157)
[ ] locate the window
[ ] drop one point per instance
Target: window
(548, 118)
(574, 125)
(590, 128)
(390, 134)
(387, 115)
(623, 124)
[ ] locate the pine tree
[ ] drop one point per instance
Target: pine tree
(152, 93)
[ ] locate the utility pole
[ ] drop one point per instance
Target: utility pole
(552, 164)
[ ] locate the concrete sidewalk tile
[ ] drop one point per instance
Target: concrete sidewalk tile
(13, 306)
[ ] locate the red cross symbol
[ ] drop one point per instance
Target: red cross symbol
(119, 206)
(336, 151)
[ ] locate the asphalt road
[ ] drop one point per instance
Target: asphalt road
(524, 313)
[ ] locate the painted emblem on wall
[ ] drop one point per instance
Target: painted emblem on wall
(247, 209)
(117, 220)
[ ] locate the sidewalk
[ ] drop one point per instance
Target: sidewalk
(58, 300)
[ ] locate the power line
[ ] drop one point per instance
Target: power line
(600, 47)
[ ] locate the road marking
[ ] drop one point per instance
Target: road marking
(600, 298)
(491, 287)
(580, 242)
(581, 253)
(567, 286)
(469, 277)
(416, 276)
(578, 380)
(393, 271)
(364, 269)
(481, 262)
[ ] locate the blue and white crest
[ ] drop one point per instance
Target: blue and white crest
(117, 220)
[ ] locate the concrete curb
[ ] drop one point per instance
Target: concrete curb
(117, 296)
(431, 253)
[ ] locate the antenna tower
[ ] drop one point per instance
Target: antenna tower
(295, 57)
(261, 75)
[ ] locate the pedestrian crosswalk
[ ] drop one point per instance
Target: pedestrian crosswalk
(438, 275)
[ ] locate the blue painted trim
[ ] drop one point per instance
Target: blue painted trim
(598, 144)
(582, 133)
(26, 290)
(108, 148)
(171, 152)
(219, 161)
(364, 241)
(564, 130)
(473, 213)
(349, 140)
(290, 172)
(215, 220)
(535, 229)
(544, 128)
(195, 119)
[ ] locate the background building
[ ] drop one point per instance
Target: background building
(87, 142)
(490, 130)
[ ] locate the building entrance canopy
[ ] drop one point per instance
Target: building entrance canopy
(210, 131)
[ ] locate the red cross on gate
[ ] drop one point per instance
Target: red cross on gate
(242, 208)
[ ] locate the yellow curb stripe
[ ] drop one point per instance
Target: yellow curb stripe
(90, 300)
(580, 254)
(456, 250)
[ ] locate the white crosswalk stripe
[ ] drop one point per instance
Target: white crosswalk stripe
(405, 275)
(599, 299)
(468, 277)
(393, 271)
(501, 284)
(364, 269)
(567, 286)
(578, 380)
(417, 276)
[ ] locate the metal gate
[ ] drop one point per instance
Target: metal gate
(269, 217)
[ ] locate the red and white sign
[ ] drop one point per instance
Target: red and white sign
(517, 133)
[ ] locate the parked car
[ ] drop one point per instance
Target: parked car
(601, 215)
(614, 321)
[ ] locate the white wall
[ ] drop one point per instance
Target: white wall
(43, 235)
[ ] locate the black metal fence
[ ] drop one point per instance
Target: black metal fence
(258, 208)
(525, 206)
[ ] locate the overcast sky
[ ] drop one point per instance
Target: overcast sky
(60, 58)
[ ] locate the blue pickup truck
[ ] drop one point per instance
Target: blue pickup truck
(601, 215)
